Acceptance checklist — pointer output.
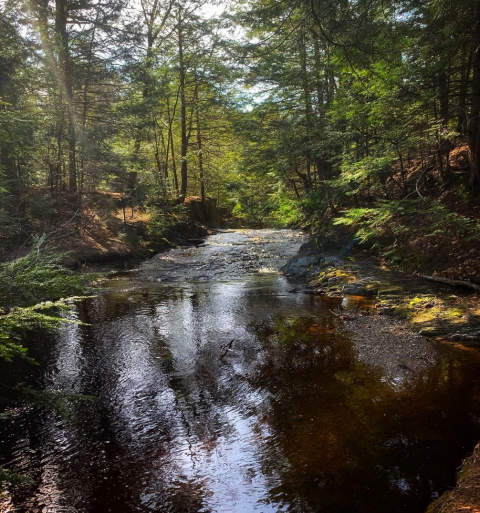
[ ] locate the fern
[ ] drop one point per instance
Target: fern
(38, 276)
(19, 320)
(31, 289)
(391, 219)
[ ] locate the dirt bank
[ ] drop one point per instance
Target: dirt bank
(104, 230)
(465, 497)
(105, 233)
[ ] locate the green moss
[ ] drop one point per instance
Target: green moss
(422, 301)
(402, 312)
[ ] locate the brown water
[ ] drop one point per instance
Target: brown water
(288, 420)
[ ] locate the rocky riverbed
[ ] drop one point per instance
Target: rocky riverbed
(432, 310)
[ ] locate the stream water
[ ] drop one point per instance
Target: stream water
(287, 419)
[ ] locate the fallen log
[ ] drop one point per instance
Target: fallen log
(456, 283)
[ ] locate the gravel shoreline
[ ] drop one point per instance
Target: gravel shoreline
(391, 344)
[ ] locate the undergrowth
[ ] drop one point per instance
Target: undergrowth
(38, 276)
(32, 294)
(383, 226)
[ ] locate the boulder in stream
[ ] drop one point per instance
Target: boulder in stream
(299, 265)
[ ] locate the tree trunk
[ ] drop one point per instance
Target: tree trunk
(200, 157)
(171, 146)
(61, 17)
(474, 128)
(443, 142)
(462, 103)
(183, 110)
(318, 79)
(308, 106)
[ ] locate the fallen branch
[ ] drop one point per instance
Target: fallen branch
(427, 168)
(456, 283)
(225, 348)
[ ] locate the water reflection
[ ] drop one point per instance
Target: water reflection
(352, 441)
(288, 420)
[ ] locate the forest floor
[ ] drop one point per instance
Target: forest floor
(453, 256)
(101, 232)
(96, 232)
(108, 233)
(105, 236)
(438, 237)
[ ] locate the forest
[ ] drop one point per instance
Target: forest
(131, 127)
(309, 113)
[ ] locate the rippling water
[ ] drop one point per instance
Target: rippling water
(288, 420)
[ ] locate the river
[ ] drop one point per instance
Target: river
(217, 389)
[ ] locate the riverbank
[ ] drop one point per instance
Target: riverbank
(435, 310)
(466, 496)
(412, 316)
(115, 234)
(108, 229)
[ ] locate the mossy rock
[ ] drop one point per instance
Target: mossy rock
(362, 288)
(422, 301)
